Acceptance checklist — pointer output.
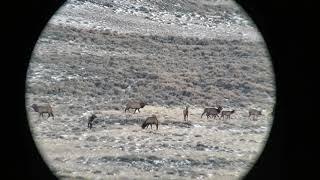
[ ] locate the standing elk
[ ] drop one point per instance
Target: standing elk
(254, 113)
(149, 121)
(41, 109)
(227, 114)
(136, 105)
(90, 120)
(212, 112)
(186, 113)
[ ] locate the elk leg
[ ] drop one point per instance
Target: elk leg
(202, 114)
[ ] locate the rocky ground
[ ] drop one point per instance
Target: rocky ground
(96, 55)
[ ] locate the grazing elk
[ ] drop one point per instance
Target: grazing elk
(186, 113)
(136, 105)
(227, 114)
(41, 109)
(149, 121)
(90, 120)
(212, 112)
(254, 113)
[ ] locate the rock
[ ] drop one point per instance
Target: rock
(201, 147)
(75, 129)
(97, 172)
(77, 133)
(176, 134)
(170, 171)
(92, 138)
(122, 148)
(132, 148)
(144, 9)
(130, 138)
(164, 145)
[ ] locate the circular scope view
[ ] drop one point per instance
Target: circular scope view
(150, 89)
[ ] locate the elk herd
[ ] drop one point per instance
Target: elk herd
(210, 112)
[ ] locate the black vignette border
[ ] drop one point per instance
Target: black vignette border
(285, 27)
(23, 24)
(290, 33)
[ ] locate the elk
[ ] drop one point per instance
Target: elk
(212, 112)
(149, 121)
(226, 113)
(90, 120)
(136, 105)
(41, 109)
(186, 113)
(254, 113)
